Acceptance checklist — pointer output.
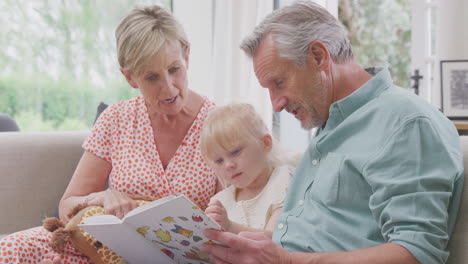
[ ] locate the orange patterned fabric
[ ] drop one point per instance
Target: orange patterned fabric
(123, 136)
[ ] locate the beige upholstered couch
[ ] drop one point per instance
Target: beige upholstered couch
(36, 167)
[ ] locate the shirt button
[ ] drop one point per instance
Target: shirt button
(301, 202)
(315, 162)
(280, 226)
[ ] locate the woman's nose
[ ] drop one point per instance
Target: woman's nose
(168, 89)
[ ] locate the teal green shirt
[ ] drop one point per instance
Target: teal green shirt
(386, 167)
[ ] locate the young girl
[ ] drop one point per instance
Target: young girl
(237, 145)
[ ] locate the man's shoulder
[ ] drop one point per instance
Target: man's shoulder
(404, 106)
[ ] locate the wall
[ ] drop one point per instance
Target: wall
(451, 38)
(197, 19)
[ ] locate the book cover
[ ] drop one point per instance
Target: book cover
(168, 230)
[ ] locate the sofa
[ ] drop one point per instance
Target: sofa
(35, 168)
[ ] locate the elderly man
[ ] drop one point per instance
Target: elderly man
(381, 181)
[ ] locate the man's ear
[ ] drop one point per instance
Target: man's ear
(129, 78)
(319, 55)
(267, 142)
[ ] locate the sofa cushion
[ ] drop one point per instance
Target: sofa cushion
(459, 240)
(35, 168)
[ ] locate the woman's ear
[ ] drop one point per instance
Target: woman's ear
(267, 142)
(187, 56)
(129, 78)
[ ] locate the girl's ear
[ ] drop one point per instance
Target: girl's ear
(267, 142)
(129, 78)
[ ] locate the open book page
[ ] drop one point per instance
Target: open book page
(175, 227)
(147, 206)
(121, 238)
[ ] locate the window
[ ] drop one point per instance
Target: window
(423, 46)
(380, 34)
(58, 60)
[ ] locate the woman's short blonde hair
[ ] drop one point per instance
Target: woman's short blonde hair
(143, 33)
(228, 125)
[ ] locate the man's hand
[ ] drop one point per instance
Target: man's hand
(246, 248)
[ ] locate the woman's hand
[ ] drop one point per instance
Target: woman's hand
(217, 212)
(114, 202)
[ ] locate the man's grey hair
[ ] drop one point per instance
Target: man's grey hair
(294, 27)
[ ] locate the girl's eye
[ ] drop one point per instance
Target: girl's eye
(174, 69)
(236, 152)
(152, 77)
(219, 161)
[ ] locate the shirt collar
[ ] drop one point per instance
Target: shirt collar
(373, 88)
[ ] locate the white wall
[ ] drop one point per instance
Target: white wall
(451, 38)
(196, 18)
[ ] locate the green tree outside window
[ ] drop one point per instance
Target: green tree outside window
(58, 60)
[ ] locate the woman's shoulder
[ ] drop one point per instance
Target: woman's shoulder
(127, 107)
(203, 112)
(135, 102)
(207, 106)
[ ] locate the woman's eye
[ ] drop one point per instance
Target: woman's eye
(219, 161)
(236, 152)
(174, 69)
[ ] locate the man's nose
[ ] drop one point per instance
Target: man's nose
(278, 102)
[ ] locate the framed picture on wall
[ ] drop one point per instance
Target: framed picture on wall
(454, 85)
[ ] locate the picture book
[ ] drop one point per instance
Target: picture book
(168, 230)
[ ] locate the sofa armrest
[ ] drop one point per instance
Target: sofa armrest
(35, 168)
(459, 241)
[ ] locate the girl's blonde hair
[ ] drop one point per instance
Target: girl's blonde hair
(143, 33)
(226, 126)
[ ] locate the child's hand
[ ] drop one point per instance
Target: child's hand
(218, 213)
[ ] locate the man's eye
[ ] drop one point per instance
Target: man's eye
(279, 83)
(174, 69)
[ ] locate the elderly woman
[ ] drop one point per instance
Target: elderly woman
(148, 145)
